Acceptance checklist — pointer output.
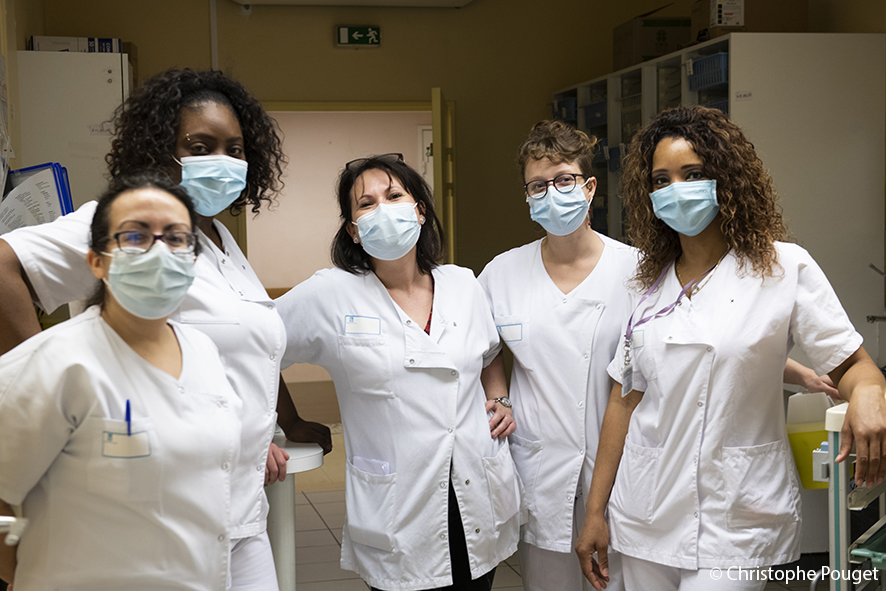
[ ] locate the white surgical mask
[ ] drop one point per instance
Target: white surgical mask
(389, 231)
(560, 213)
(213, 182)
(151, 285)
(687, 207)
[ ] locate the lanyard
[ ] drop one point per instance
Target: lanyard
(663, 312)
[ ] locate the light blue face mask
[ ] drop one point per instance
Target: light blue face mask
(389, 231)
(560, 213)
(213, 182)
(150, 285)
(687, 207)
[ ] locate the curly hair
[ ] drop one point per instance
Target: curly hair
(146, 128)
(751, 216)
(559, 142)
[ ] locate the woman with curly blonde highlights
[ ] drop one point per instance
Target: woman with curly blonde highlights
(693, 462)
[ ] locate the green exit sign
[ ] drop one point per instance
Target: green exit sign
(358, 36)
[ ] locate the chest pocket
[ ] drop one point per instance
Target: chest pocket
(514, 332)
(367, 362)
(124, 468)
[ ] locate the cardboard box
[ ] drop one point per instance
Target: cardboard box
(74, 44)
(713, 18)
(646, 37)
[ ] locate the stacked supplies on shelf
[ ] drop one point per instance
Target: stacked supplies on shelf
(36, 195)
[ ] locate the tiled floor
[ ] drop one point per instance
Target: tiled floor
(319, 516)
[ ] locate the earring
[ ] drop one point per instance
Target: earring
(421, 221)
(356, 240)
(188, 137)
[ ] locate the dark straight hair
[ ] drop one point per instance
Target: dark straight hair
(350, 256)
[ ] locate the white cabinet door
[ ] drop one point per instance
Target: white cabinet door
(67, 101)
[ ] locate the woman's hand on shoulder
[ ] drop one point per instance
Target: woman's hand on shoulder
(502, 422)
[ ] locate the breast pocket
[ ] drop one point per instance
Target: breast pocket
(514, 332)
(760, 485)
(125, 466)
(367, 362)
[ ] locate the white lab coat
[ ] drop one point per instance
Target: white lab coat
(412, 406)
(707, 478)
(107, 510)
(562, 344)
(226, 302)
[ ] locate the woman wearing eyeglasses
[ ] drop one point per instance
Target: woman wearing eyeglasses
(558, 304)
(209, 133)
(119, 429)
(433, 499)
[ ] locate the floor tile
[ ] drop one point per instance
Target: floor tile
(329, 509)
(318, 537)
(305, 520)
(513, 559)
(334, 522)
(506, 577)
(301, 499)
(326, 496)
(322, 571)
(310, 554)
(348, 585)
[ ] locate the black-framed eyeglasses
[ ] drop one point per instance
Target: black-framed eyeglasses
(393, 156)
(141, 241)
(564, 183)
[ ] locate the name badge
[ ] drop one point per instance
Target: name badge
(510, 332)
(121, 445)
(362, 325)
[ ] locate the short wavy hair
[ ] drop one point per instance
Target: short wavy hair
(146, 126)
(559, 142)
(751, 217)
(350, 256)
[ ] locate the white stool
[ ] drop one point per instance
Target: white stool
(281, 498)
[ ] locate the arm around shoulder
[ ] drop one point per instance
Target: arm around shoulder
(18, 319)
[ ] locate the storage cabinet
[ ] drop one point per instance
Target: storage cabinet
(814, 107)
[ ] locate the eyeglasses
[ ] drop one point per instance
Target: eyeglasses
(141, 241)
(564, 183)
(393, 156)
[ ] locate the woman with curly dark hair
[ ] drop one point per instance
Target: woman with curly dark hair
(209, 134)
(693, 448)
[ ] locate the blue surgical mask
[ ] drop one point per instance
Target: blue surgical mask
(687, 207)
(151, 285)
(213, 182)
(560, 213)
(389, 231)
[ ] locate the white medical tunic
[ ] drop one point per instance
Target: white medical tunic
(412, 406)
(562, 344)
(106, 509)
(707, 478)
(226, 302)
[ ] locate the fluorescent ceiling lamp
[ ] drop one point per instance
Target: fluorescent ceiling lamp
(412, 3)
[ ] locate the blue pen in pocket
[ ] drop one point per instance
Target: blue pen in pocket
(128, 420)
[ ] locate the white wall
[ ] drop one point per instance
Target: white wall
(290, 241)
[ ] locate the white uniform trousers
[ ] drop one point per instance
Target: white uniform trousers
(252, 564)
(642, 574)
(544, 570)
